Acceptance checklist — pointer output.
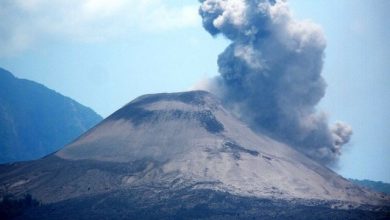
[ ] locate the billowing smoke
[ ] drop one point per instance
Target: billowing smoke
(270, 74)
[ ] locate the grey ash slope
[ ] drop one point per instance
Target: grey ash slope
(187, 142)
(197, 140)
(36, 121)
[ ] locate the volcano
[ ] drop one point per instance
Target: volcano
(183, 155)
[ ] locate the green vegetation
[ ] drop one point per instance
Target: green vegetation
(11, 207)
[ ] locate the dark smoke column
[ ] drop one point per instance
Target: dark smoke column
(270, 74)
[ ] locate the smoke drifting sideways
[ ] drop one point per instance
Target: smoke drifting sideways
(270, 74)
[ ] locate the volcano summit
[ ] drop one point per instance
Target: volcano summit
(183, 155)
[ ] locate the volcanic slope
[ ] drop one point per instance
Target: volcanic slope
(174, 142)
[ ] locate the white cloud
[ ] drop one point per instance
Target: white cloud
(25, 22)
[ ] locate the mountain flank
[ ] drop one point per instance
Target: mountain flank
(184, 156)
(378, 186)
(36, 121)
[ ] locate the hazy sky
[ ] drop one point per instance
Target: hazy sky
(104, 53)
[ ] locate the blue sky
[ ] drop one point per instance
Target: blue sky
(104, 53)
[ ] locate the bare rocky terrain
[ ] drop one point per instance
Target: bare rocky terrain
(180, 156)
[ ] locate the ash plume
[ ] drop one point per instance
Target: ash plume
(270, 74)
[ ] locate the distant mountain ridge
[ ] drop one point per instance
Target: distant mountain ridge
(378, 186)
(35, 120)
